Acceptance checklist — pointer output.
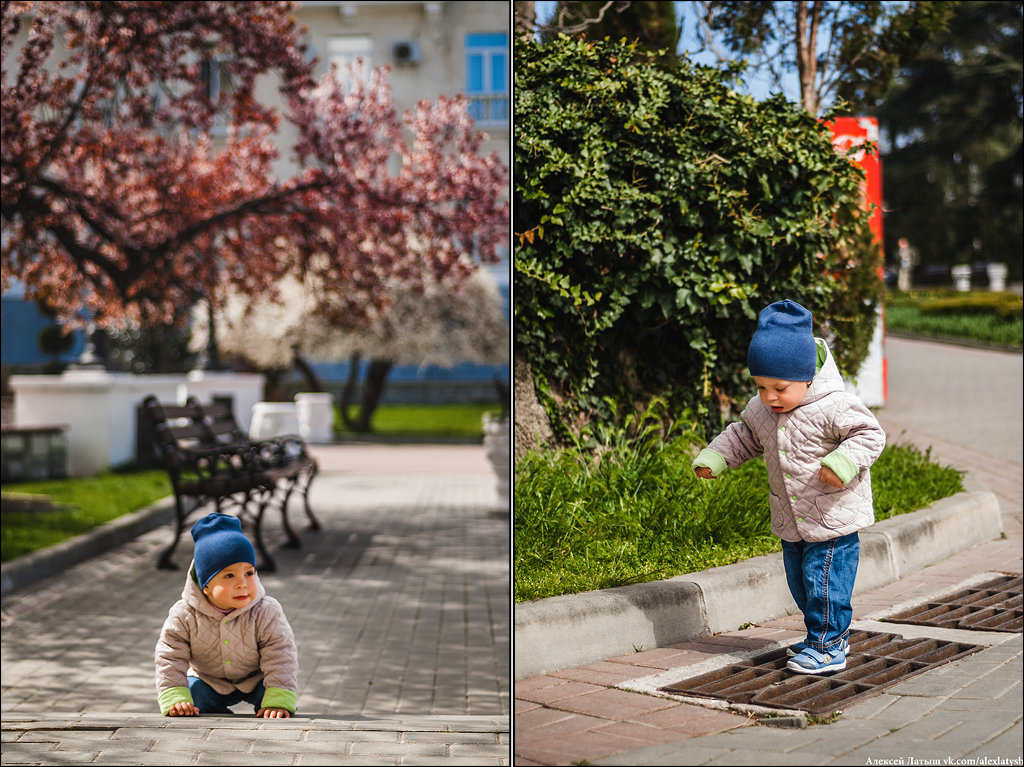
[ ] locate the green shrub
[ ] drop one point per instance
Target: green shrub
(657, 211)
(1003, 304)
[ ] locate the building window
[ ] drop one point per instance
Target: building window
(219, 85)
(343, 50)
(487, 78)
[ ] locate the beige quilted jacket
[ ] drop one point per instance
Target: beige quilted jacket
(829, 427)
(234, 651)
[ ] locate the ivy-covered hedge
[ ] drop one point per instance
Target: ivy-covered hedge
(656, 213)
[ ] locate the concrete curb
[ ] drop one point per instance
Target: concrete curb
(30, 568)
(577, 629)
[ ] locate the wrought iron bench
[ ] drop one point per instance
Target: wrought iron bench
(209, 459)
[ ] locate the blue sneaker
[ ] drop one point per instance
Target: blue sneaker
(810, 661)
(799, 647)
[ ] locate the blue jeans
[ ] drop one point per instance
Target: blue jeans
(820, 576)
(209, 701)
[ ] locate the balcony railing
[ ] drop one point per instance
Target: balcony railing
(489, 109)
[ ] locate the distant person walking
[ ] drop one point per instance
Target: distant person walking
(907, 261)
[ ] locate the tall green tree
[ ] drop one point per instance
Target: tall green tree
(652, 24)
(953, 123)
(849, 50)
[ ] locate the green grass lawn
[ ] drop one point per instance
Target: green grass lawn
(85, 502)
(422, 421)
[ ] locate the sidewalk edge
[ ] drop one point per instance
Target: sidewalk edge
(577, 629)
(26, 570)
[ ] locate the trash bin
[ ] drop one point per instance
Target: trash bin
(961, 277)
(316, 417)
(273, 419)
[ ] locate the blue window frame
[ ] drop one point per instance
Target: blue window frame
(487, 77)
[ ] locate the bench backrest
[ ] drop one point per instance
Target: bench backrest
(176, 428)
(221, 424)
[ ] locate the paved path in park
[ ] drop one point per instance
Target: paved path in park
(966, 405)
(400, 608)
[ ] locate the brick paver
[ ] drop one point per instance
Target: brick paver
(400, 609)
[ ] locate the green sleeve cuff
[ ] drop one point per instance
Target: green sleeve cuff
(712, 460)
(172, 695)
(278, 697)
(844, 468)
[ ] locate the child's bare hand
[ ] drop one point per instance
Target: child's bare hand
(829, 477)
(183, 709)
(273, 713)
(704, 472)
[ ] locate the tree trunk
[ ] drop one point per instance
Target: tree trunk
(373, 389)
(313, 383)
(532, 428)
(348, 393)
(526, 16)
(807, 52)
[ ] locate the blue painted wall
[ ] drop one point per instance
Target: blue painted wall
(19, 334)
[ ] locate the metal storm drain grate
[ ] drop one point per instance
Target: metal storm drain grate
(875, 661)
(991, 606)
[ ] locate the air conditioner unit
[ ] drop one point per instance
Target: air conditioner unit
(406, 52)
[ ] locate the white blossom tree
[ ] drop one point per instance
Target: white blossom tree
(432, 324)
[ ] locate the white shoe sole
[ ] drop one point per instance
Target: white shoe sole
(797, 668)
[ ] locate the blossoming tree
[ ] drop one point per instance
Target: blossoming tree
(429, 325)
(120, 198)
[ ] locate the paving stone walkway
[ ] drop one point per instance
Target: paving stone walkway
(400, 608)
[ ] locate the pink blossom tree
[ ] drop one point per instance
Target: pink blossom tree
(119, 198)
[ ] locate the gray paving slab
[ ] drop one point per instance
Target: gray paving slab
(400, 608)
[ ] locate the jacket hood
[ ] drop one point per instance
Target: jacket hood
(827, 380)
(196, 599)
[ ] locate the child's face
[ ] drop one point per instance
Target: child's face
(234, 586)
(779, 395)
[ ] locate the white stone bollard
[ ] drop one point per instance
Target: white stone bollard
(996, 277)
(315, 416)
(961, 277)
(273, 419)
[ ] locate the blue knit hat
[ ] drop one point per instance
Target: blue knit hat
(783, 345)
(219, 543)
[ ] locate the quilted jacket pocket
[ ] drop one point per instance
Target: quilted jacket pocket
(837, 511)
